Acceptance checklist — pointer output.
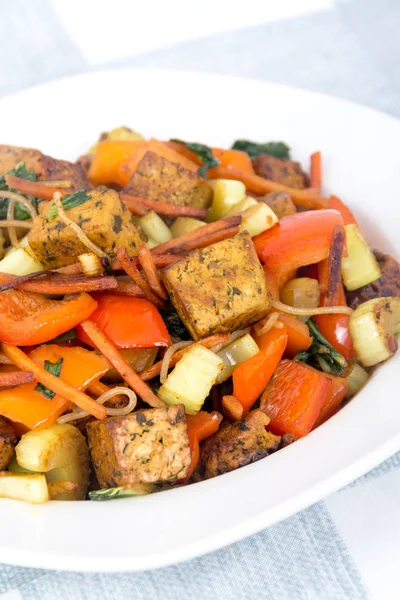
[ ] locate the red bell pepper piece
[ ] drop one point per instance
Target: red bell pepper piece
(200, 427)
(252, 375)
(294, 397)
(334, 399)
(128, 322)
(297, 240)
(299, 337)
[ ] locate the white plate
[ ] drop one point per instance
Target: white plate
(361, 164)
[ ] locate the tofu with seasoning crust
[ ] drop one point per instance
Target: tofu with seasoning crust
(147, 446)
(219, 288)
(160, 179)
(8, 441)
(103, 218)
(45, 167)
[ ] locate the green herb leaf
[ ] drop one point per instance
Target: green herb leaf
(20, 211)
(174, 324)
(69, 201)
(54, 369)
(204, 153)
(277, 149)
(137, 489)
(321, 354)
(64, 337)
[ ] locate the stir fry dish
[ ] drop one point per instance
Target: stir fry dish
(170, 312)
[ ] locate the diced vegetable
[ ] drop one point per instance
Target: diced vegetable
(126, 491)
(235, 353)
(298, 240)
(360, 266)
(302, 292)
(241, 207)
(109, 157)
(119, 134)
(128, 322)
(25, 404)
(27, 319)
(373, 326)
(227, 193)
(294, 397)
(59, 451)
(357, 378)
(258, 219)
(91, 264)
(155, 228)
(184, 225)
(200, 427)
(251, 376)
(334, 399)
(20, 261)
(22, 486)
(192, 379)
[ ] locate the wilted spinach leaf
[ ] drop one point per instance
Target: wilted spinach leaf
(174, 324)
(277, 149)
(54, 369)
(69, 201)
(20, 211)
(204, 153)
(321, 354)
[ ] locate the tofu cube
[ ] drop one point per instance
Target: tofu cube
(160, 179)
(103, 218)
(45, 167)
(147, 446)
(219, 288)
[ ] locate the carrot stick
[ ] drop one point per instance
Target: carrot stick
(133, 204)
(126, 287)
(232, 408)
(316, 171)
(97, 388)
(201, 237)
(208, 342)
(15, 378)
(258, 185)
(160, 261)
(8, 281)
(147, 262)
(131, 269)
(57, 285)
(136, 203)
(33, 188)
(334, 266)
(57, 385)
(104, 345)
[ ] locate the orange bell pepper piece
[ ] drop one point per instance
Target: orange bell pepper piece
(296, 241)
(129, 166)
(299, 337)
(347, 215)
(272, 284)
(230, 159)
(251, 376)
(294, 397)
(28, 319)
(23, 404)
(335, 328)
(200, 427)
(110, 155)
(334, 399)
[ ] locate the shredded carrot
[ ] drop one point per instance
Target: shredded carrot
(15, 378)
(147, 262)
(131, 269)
(33, 188)
(316, 171)
(201, 237)
(136, 204)
(126, 287)
(258, 185)
(97, 388)
(56, 284)
(208, 342)
(334, 265)
(104, 345)
(57, 385)
(160, 261)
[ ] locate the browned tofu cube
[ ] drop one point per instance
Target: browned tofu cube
(147, 446)
(45, 167)
(103, 218)
(280, 202)
(219, 288)
(160, 179)
(287, 172)
(8, 441)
